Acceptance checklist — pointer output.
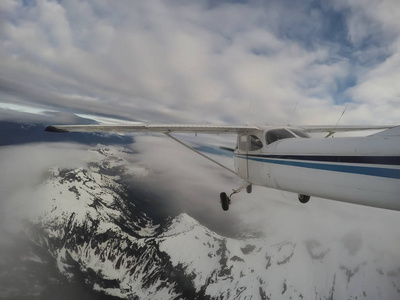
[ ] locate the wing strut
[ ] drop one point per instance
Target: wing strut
(198, 152)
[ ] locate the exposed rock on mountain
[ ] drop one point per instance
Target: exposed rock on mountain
(87, 229)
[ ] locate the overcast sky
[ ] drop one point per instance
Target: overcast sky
(204, 61)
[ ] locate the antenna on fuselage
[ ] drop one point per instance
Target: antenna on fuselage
(294, 110)
(334, 130)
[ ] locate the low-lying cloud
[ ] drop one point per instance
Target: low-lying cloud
(184, 182)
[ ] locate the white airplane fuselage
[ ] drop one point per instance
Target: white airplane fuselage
(360, 170)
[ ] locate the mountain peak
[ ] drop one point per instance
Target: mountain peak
(101, 233)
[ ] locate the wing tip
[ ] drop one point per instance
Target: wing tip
(54, 129)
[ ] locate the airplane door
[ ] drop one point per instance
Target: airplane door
(242, 162)
(246, 168)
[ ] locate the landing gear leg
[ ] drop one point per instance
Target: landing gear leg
(226, 201)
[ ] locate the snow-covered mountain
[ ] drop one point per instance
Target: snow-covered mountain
(88, 229)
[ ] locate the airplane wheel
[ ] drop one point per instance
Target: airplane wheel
(303, 198)
(224, 201)
(249, 188)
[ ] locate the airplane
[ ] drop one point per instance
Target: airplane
(360, 170)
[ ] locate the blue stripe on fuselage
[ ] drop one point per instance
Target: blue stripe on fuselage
(339, 167)
(355, 159)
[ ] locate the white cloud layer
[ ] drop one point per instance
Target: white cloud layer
(181, 180)
(203, 61)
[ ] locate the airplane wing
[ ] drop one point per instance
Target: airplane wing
(160, 128)
(395, 131)
(344, 128)
(190, 128)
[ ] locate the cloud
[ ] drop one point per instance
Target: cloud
(195, 62)
(181, 181)
(187, 182)
(192, 184)
(23, 168)
(373, 30)
(184, 182)
(202, 62)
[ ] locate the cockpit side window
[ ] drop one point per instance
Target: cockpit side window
(254, 143)
(300, 133)
(277, 134)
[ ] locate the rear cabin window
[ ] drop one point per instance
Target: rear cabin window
(249, 143)
(243, 143)
(277, 134)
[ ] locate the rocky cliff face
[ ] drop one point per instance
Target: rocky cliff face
(88, 230)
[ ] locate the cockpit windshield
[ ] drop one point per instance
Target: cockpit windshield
(277, 134)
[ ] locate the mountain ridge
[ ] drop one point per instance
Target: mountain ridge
(107, 241)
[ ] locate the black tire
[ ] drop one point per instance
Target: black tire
(303, 198)
(224, 201)
(249, 188)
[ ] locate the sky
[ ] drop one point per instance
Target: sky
(223, 62)
(230, 62)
